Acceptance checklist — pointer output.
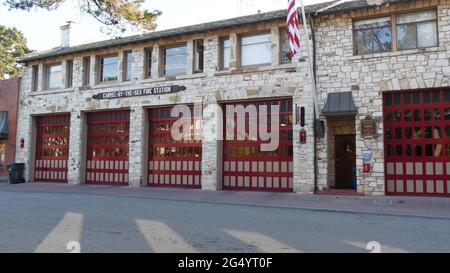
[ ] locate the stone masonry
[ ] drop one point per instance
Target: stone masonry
(338, 70)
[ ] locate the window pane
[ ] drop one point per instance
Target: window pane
(285, 46)
(199, 49)
(256, 50)
(109, 68)
(226, 53)
(406, 37)
(54, 76)
(149, 64)
(416, 17)
(258, 39)
(427, 34)
(129, 60)
(373, 35)
(175, 61)
(371, 23)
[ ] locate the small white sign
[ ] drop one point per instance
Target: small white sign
(303, 155)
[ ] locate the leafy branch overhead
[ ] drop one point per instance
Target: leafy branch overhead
(116, 14)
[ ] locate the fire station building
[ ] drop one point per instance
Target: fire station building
(100, 113)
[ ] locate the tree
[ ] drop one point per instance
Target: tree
(115, 14)
(12, 45)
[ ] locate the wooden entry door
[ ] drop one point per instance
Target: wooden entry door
(345, 160)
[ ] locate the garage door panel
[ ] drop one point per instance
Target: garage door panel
(246, 166)
(52, 148)
(417, 142)
(108, 147)
(173, 163)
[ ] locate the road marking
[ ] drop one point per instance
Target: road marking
(383, 248)
(162, 238)
(261, 241)
(68, 229)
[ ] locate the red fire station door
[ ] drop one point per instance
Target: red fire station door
(52, 148)
(107, 147)
(417, 142)
(175, 163)
(245, 165)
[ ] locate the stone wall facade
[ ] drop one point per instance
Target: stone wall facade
(338, 70)
(368, 76)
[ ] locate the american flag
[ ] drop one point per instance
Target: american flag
(293, 28)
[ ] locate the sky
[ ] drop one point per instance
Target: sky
(42, 28)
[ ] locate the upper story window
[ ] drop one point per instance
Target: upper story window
(127, 62)
(53, 76)
(285, 46)
(86, 70)
(373, 35)
(109, 68)
(175, 60)
(198, 56)
(225, 46)
(69, 73)
(148, 63)
(417, 30)
(256, 50)
(34, 77)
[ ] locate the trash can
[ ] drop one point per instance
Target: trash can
(15, 172)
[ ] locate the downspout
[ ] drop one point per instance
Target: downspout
(313, 39)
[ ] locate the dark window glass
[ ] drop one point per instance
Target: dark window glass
(373, 35)
(426, 97)
(427, 114)
(429, 150)
(409, 150)
(416, 98)
(398, 150)
(408, 133)
(416, 30)
(418, 150)
(428, 132)
(408, 115)
(398, 133)
(417, 115)
(198, 56)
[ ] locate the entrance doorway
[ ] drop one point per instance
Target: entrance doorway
(345, 161)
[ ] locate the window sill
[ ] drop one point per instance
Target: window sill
(51, 91)
(175, 78)
(290, 67)
(397, 53)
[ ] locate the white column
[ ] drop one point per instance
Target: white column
(77, 148)
(93, 71)
(304, 153)
(137, 143)
(190, 57)
(275, 34)
(212, 147)
(156, 56)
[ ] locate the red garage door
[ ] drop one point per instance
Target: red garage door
(171, 162)
(246, 167)
(52, 148)
(417, 142)
(107, 147)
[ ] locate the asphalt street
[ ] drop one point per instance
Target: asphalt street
(61, 222)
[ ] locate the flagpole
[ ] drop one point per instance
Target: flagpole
(310, 62)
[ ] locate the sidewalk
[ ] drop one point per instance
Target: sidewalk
(432, 207)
